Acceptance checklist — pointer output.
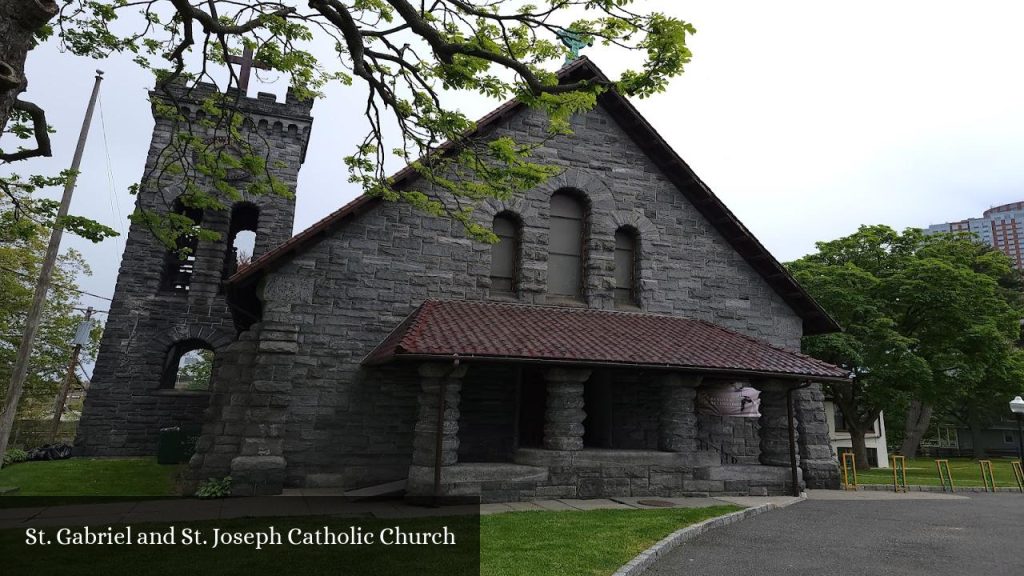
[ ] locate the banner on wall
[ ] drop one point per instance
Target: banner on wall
(733, 399)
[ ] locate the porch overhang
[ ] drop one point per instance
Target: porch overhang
(441, 330)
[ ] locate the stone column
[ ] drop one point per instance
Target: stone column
(563, 420)
(816, 457)
(425, 435)
(774, 424)
(677, 424)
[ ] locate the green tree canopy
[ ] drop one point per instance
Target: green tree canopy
(411, 58)
(22, 248)
(926, 318)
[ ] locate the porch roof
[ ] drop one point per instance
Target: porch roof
(442, 329)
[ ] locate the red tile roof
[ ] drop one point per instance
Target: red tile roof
(498, 331)
(815, 319)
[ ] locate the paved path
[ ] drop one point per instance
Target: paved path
(864, 534)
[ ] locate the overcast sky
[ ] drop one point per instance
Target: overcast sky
(806, 118)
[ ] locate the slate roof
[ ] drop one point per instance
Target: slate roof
(516, 332)
(815, 319)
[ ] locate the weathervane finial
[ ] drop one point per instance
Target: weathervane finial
(574, 42)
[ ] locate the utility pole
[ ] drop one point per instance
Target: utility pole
(35, 313)
(62, 396)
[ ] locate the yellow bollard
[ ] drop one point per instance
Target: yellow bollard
(939, 464)
(1018, 474)
(849, 466)
(987, 477)
(899, 473)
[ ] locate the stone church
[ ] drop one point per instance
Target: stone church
(580, 356)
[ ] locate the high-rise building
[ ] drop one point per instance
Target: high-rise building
(1001, 226)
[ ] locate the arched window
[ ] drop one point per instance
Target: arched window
(189, 366)
(180, 263)
(625, 266)
(505, 255)
(245, 218)
(565, 246)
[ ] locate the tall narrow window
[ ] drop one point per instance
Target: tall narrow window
(625, 266)
(565, 246)
(505, 255)
(245, 219)
(180, 263)
(189, 366)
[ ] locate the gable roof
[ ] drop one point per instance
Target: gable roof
(585, 336)
(815, 319)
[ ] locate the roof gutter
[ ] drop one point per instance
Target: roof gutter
(599, 364)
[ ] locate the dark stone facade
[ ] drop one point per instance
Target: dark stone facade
(292, 405)
(126, 405)
(346, 425)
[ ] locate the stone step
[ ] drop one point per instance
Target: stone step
(386, 490)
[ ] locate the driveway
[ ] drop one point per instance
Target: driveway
(864, 534)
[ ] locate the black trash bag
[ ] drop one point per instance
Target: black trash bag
(58, 451)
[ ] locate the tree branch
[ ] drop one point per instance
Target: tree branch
(39, 129)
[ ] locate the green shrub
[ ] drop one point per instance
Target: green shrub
(15, 455)
(214, 488)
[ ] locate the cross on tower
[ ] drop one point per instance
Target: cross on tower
(247, 64)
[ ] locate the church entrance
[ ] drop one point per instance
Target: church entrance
(532, 401)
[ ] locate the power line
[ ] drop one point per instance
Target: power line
(115, 208)
(64, 286)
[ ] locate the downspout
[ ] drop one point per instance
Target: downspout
(793, 467)
(439, 433)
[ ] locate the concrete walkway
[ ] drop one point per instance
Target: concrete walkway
(191, 510)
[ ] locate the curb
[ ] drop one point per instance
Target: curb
(645, 559)
(928, 488)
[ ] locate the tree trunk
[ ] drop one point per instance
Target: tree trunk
(977, 445)
(919, 416)
(860, 448)
(19, 21)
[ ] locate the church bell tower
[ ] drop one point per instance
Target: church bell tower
(169, 315)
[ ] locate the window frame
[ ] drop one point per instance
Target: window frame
(517, 242)
(173, 263)
(245, 217)
(172, 361)
(633, 299)
(581, 201)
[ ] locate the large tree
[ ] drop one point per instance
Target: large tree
(844, 275)
(925, 319)
(960, 300)
(411, 58)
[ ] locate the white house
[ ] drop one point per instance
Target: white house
(878, 450)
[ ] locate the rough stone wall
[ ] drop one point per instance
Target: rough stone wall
(623, 473)
(347, 292)
(738, 440)
(126, 407)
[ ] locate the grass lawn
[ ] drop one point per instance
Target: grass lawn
(91, 477)
(571, 543)
(592, 543)
(965, 471)
(566, 543)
